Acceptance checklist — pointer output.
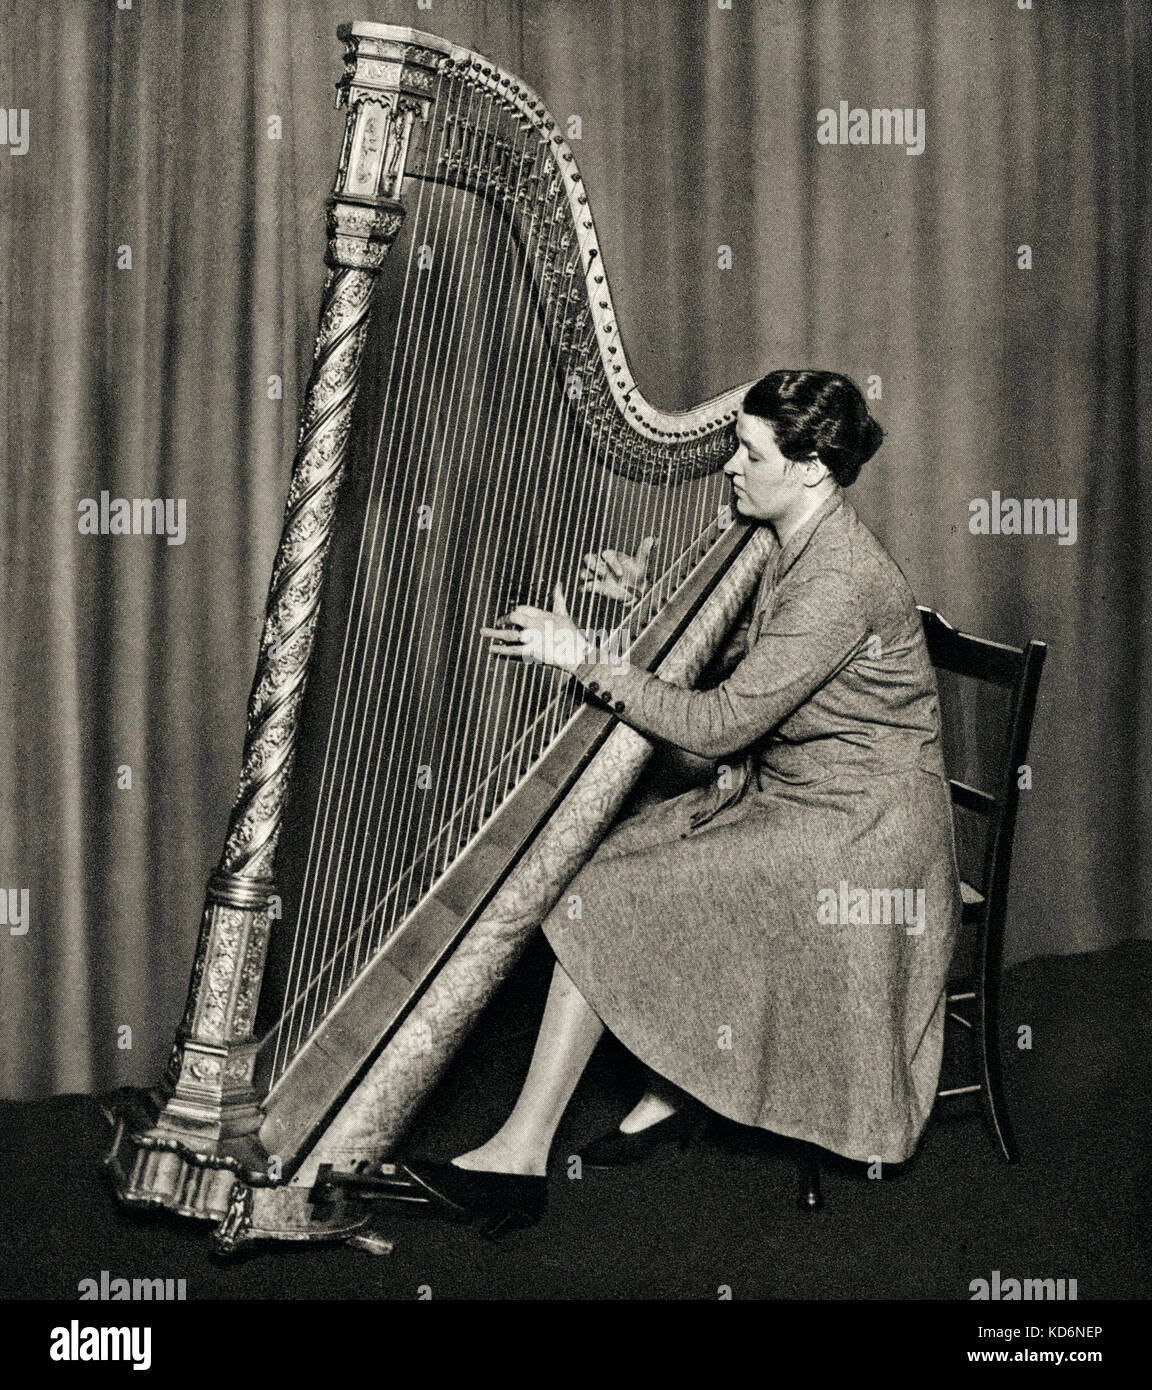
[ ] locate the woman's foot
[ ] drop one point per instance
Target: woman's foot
(506, 1201)
(499, 1156)
(650, 1109)
(621, 1147)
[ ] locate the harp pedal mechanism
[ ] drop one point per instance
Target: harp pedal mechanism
(366, 1182)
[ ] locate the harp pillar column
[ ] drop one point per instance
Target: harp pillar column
(206, 1107)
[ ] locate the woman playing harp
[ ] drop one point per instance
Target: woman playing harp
(773, 945)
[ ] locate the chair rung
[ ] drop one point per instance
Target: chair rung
(960, 1019)
(960, 998)
(958, 1091)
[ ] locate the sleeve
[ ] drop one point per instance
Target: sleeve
(730, 656)
(820, 624)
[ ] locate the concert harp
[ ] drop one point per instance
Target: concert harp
(470, 429)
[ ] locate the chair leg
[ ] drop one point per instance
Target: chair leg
(991, 1078)
(810, 1197)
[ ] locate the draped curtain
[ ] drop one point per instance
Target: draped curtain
(197, 138)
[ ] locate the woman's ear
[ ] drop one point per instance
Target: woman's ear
(814, 470)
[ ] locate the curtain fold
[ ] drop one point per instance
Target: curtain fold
(152, 128)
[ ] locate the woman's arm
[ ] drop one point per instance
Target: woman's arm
(819, 625)
(736, 649)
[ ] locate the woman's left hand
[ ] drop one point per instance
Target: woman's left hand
(536, 635)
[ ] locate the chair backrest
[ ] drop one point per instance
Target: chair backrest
(1017, 671)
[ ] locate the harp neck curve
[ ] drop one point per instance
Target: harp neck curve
(385, 58)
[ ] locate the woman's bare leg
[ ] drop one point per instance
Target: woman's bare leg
(659, 1100)
(569, 1032)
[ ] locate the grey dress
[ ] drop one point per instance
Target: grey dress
(776, 943)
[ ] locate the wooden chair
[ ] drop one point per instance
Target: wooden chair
(973, 998)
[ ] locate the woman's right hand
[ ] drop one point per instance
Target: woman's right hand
(614, 574)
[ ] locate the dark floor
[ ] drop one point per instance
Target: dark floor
(1075, 1207)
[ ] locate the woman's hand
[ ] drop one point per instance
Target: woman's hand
(616, 575)
(535, 635)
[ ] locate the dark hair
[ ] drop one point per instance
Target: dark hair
(817, 412)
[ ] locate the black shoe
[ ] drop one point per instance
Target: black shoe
(617, 1149)
(508, 1201)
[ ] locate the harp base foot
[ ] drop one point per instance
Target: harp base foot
(150, 1170)
(273, 1215)
(152, 1167)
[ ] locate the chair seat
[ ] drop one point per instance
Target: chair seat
(973, 901)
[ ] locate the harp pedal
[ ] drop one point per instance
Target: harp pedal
(366, 1182)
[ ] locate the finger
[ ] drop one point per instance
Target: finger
(594, 562)
(645, 551)
(500, 633)
(559, 602)
(612, 560)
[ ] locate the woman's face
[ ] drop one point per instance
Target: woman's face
(766, 484)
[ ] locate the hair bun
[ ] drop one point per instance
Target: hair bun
(871, 436)
(846, 442)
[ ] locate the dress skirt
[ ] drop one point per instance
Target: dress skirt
(757, 962)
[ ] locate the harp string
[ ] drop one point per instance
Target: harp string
(665, 582)
(593, 505)
(570, 443)
(431, 656)
(463, 309)
(523, 425)
(396, 665)
(302, 936)
(416, 456)
(395, 889)
(468, 310)
(485, 442)
(429, 339)
(501, 407)
(514, 686)
(416, 576)
(676, 570)
(526, 407)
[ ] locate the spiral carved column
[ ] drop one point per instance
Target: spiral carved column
(210, 1069)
